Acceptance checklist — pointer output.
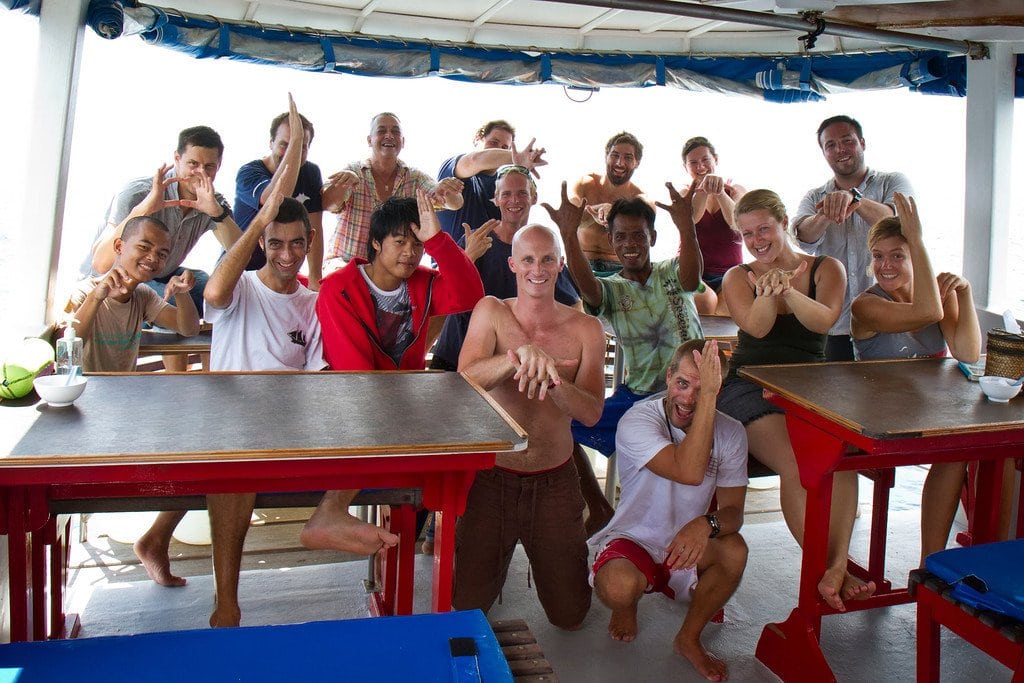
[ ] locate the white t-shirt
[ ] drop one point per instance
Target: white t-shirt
(265, 330)
(653, 509)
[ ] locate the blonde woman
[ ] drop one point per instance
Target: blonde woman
(784, 303)
(911, 313)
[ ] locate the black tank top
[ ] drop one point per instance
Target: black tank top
(787, 342)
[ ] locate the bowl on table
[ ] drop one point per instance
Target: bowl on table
(999, 389)
(57, 391)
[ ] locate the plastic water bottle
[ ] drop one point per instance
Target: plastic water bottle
(69, 352)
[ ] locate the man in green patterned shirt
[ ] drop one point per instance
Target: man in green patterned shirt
(650, 307)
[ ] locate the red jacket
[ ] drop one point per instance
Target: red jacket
(348, 320)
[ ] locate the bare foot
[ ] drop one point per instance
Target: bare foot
(157, 564)
(346, 533)
(224, 617)
(706, 664)
(622, 625)
(856, 589)
(830, 586)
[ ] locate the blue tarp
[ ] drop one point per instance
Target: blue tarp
(799, 78)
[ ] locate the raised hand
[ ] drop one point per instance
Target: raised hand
(155, 201)
(179, 284)
(836, 206)
(910, 219)
(568, 216)
(268, 212)
(428, 225)
(712, 184)
(343, 180)
(529, 158)
(950, 283)
(116, 281)
(479, 241)
(444, 189)
(681, 206)
(709, 367)
(206, 199)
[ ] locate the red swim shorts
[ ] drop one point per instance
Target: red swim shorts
(657, 574)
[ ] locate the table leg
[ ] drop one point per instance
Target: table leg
(791, 649)
(445, 517)
(17, 563)
(39, 539)
(406, 530)
(986, 514)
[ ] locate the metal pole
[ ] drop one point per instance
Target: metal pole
(739, 16)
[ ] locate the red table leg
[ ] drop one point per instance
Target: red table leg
(17, 563)
(403, 523)
(453, 492)
(791, 649)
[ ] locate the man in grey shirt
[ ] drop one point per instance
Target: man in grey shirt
(834, 219)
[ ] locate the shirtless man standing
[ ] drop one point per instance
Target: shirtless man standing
(622, 157)
(544, 363)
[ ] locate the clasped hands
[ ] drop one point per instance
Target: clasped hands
(536, 371)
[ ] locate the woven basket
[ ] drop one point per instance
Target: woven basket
(1005, 354)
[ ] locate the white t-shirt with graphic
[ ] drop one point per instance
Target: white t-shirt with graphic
(265, 330)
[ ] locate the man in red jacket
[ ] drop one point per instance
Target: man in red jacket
(374, 315)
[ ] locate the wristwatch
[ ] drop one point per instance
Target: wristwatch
(716, 528)
(857, 196)
(223, 216)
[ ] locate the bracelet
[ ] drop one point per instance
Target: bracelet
(224, 215)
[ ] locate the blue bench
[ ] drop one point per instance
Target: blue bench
(456, 646)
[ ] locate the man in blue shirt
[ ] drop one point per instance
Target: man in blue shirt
(291, 134)
(493, 146)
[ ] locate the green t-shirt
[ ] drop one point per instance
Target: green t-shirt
(650, 321)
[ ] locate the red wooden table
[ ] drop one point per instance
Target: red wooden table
(875, 415)
(189, 433)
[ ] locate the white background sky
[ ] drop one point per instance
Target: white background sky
(133, 98)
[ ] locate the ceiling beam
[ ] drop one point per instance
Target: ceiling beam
(933, 14)
(364, 14)
(484, 17)
(687, 9)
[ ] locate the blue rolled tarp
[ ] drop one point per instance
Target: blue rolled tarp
(106, 18)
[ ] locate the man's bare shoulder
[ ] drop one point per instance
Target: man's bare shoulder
(492, 305)
(581, 322)
(587, 186)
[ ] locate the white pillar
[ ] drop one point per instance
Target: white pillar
(61, 34)
(989, 138)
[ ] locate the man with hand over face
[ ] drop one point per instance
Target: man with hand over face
(675, 452)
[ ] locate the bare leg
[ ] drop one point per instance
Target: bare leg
(175, 362)
(152, 548)
(769, 442)
(332, 528)
(939, 500)
(719, 572)
(230, 514)
(620, 585)
(599, 510)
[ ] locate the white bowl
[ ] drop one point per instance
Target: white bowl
(54, 389)
(999, 389)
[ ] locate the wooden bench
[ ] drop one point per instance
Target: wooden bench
(525, 658)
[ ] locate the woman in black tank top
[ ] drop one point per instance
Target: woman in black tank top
(784, 303)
